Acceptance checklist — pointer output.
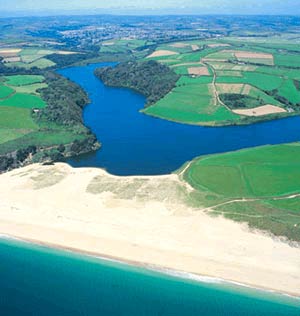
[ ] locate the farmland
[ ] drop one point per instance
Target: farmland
(28, 125)
(30, 57)
(27, 58)
(218, 71)
(18, 98)
(17, 87)
(260, 186)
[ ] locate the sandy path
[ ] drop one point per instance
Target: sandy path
(140, 219)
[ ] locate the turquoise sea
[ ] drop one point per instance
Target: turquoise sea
(36, 280)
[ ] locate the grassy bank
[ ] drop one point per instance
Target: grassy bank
(260, 186)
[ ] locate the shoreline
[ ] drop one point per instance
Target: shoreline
(178, 274)
(142, 221)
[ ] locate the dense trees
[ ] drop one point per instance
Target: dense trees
(5, 162)
(66, 60)
(22, 154)
(297, 84)
(150, 78)
(65, 101)
(275, 94)
(238, 101)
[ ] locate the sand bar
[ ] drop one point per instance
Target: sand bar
(140, 219)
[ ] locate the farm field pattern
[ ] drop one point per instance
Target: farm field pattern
(229, 81)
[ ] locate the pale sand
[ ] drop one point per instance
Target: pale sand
(160, 53)
(195, 47)
(179, 45)
(198, 71)
(260, 110)
(140, 219)
(108, 43)
(64, 52)
(241, 54)
(12, 59)
(10, 50)
(230, 87)
(218, 45)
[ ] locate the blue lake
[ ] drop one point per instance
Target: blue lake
(136, 144)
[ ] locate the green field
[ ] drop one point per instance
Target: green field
(21, 91)
(122, 45)
(16, 118)
(40, 138)
(19, 97)
(194, 104)
(8, 134)
(259, 186)
(5, 91)
(21, 80)
(31, 88)
(14, 123)
(23, 100)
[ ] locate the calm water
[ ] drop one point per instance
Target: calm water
(136, 144)
(44, 282)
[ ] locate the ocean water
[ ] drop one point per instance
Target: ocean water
(137, 144)
(36, 280)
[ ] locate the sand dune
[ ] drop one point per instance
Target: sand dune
(141, 219)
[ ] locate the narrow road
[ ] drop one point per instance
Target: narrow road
(214, 86)
(292, 196)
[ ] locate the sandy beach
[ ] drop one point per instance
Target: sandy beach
(140, 219)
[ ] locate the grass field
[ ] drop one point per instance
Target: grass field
(21, 91)
(30, 88)
(40, 138)
(22, 80)
(5, 91)
(19, 97)
(16, 118)
(8, 134)
(259, 186)
(194, 104)
(122, 45)
(15, 123)
(23, 100)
